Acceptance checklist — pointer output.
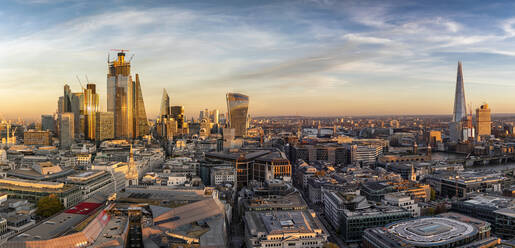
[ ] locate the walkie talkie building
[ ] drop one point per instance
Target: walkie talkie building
(237, 107)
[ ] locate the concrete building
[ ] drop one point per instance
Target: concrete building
(66, 130)
(48, 123)
(283, 229)
(499, 211)
(92, 182)
(69, 195)
(38, 138)
(222, 174)
(403, 201)
(104, 126)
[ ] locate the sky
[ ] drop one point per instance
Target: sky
(312, 58)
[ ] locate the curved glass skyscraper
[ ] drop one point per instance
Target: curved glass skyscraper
(237, 108)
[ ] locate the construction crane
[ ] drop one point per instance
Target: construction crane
(79, 81)
(120, 50)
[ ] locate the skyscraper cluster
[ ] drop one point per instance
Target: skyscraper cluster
(171, 119)
(79, 115)
(125, 100)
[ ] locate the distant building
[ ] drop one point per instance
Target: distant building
(237, 108)
(483, 121)
(460, 109)
(48, 123)
(66, 130)
(90, 109)
(39, 138)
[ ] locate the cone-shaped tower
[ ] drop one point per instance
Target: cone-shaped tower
(460, 109)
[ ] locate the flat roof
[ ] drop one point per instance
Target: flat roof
(431, 231)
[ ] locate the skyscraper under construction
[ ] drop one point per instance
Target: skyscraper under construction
(125, 100)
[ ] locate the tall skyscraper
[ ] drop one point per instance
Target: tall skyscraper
(237, 108)
(483, 121)
(66, 129)
(125, 100)
(165, 104)
(460, 110)
(91, 105)
(141, 126)
(67, 100)
(214, 116)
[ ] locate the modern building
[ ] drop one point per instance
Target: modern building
(442, 231)
(165, 104)
(460, 109)
(177, 113)
(125, 100)
(483, 121)
(38, 138)
(464, 184)
(237, 108)
(92, 182)
(66, 129)
(91, 107)
(404, 201)
(283, 229)
(104, 126)
(48, 123)
(499, 211)
(69, 195)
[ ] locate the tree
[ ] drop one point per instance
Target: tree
(48, 206)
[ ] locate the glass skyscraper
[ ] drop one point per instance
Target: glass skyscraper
(237, 108)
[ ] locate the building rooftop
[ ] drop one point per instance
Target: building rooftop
(431, 231)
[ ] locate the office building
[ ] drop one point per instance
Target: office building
(445, 230)
(165, 104)
(38, 138)
(104, 126)
(497, 210)
(48, 123)
(237, 108)
(66, 130)
(91, 107)
(33, 190)
(483, 121)
(283, 229)
(177, 113)
(125, 100)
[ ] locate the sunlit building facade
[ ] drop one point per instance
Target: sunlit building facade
(237, 108)
(483, 121)
(91, 105)
(125, 100)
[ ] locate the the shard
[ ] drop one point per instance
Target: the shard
(460, 109)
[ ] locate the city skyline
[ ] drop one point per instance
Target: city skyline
(344, 58)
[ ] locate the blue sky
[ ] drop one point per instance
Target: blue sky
(291, 57)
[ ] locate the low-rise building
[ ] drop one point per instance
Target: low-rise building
(283, 229)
